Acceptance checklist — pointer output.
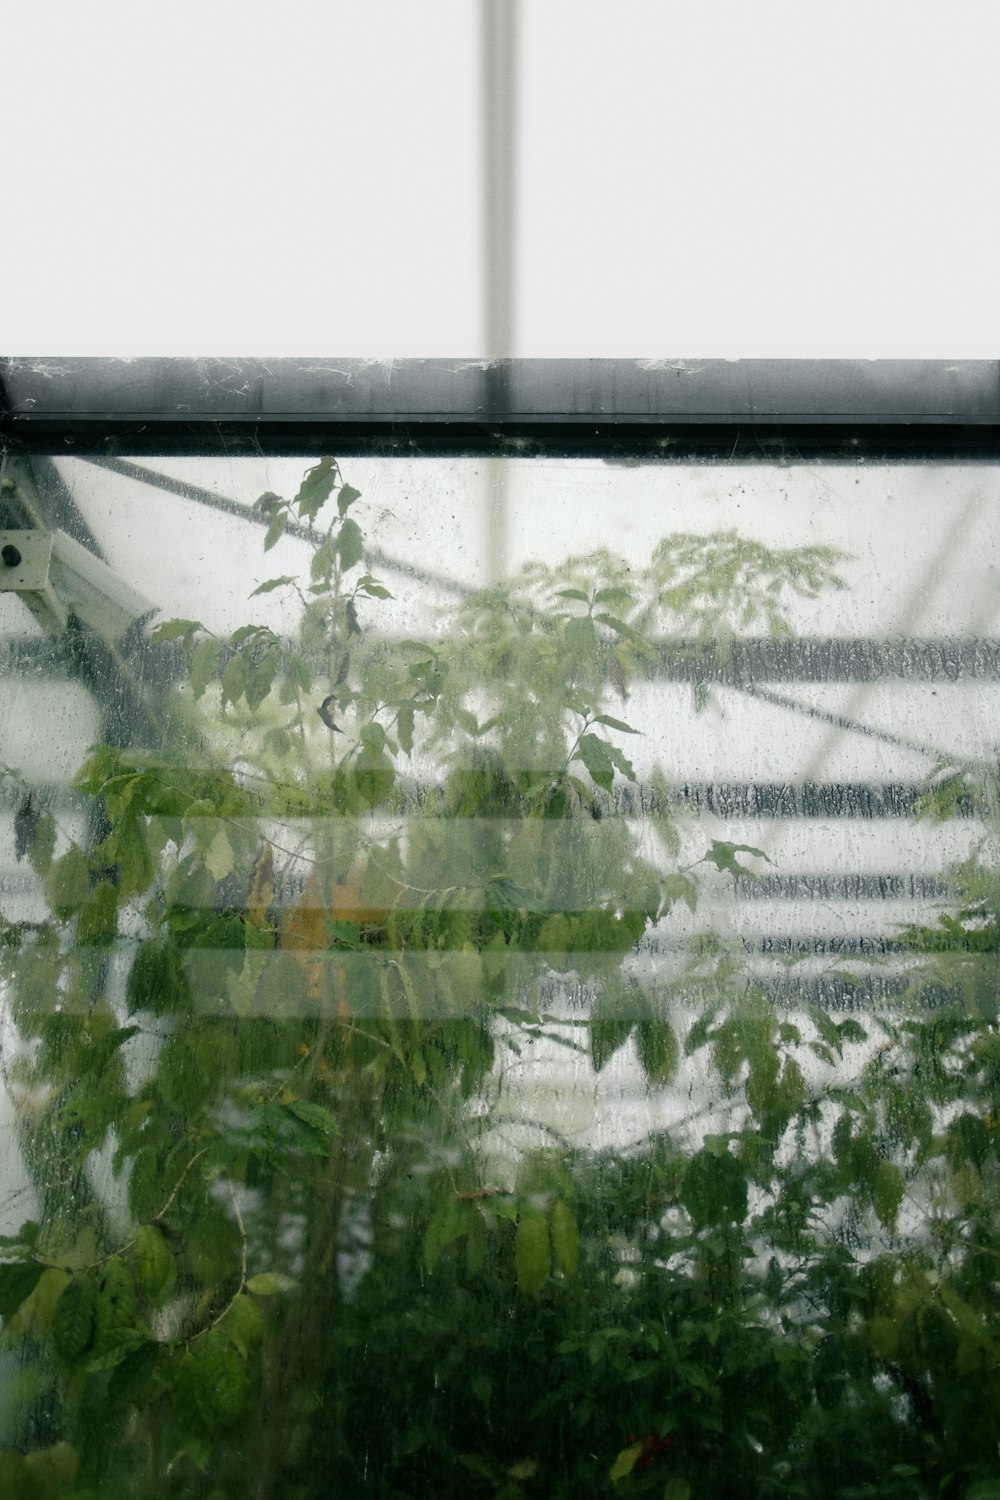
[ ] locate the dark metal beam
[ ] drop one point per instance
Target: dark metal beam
(833, 659)
(748, 801)
(746, 410)
(744, 800)
(789, 799)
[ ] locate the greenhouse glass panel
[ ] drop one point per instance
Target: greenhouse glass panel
(499, 973)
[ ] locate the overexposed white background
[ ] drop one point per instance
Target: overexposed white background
(691, 178)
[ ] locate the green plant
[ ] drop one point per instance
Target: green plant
(286, 1242)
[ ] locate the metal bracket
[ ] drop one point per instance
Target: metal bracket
(59, 576)
(24, 569)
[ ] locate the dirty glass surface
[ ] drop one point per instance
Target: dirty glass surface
(500, 979)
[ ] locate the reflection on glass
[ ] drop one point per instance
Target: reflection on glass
(520, 1037)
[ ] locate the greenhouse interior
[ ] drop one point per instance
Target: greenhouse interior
(499, 929)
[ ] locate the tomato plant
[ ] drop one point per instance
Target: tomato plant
(268, 1042)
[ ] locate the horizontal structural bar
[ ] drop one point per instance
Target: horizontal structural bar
(833, 659)
(612, 442)
(753, 409)
(802, 887)
(727, 799)
(755, 660)
(805, 799)
(585, 389)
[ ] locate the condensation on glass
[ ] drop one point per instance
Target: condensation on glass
(521, 1018)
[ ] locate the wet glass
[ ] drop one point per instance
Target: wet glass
(500, 979)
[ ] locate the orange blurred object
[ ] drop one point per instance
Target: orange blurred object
(303, 928)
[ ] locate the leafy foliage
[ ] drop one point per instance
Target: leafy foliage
(288, 1244)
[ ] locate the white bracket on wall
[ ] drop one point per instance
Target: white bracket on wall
(25, 561)
(55, 575)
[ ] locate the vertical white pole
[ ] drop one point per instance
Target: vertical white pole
(498, 60)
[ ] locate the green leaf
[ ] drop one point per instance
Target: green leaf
(826, 1027)
(418, 1067)
(341, 934)
(74, 1319)
(700, 1032)
(277, 526)
(680, 887)
(316, 488)
(270, 584)
(223, 1378)
(532, 1252)
(271, 1284)
(234, 679)
(261, 679)
(596, 757)
(346, 498)
(156, 980)
(373, 738)
(581, 638)
(301, 1133)
(615, 594)
(244, 1323)
(49, 1474)
(175, 630)
(621, 628)
(887, 1193)
(117, 1308)
(610, 1025)
(573, 594)
(714, 1190)
(373, 588)
(986, 1489)
(967, 1139)
(103, 763)
(133, 846)
(350, 544)
(848, 1099)
(621, 762)
(299, 674)
(503, 898)
(43, 844)
(67, 883)
(321, 565)
(18, 1280)
(447, 1224)
(98, 919)
(314, 1115)
(153, 1259)
(565, 1236)
(626, 1462)
(611, 723)
(16, 1479)
(204, 662)
(404, 727)
(218, 857)
(131, 1379)
(658, 1048)
(723, 856)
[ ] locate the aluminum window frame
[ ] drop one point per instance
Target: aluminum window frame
(719, 410)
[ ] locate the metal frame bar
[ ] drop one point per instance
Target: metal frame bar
(739, 411)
